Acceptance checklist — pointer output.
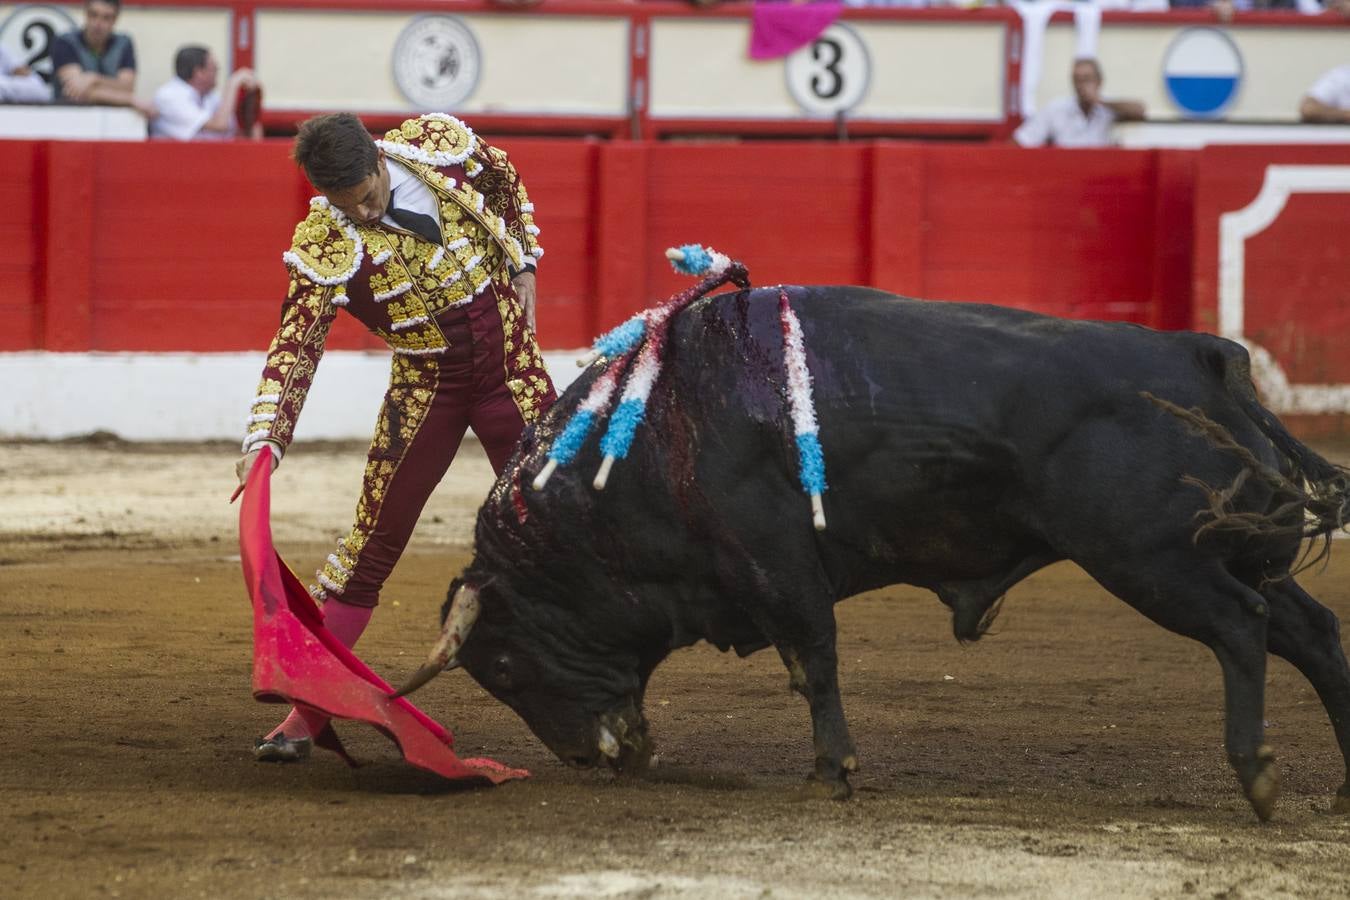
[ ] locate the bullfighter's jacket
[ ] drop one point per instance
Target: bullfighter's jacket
(395, 284)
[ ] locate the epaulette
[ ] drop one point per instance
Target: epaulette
(435, 139)
(326, 247)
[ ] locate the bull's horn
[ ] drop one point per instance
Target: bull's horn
(419, 678)
(609, 744)
(463, 613)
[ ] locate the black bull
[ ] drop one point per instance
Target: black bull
(966, 447)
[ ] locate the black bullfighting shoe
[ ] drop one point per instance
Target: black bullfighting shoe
(280, 748)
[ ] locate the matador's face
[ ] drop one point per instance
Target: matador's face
(366, 201)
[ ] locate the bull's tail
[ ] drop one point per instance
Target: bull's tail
(1312, 499)
(1326, 486)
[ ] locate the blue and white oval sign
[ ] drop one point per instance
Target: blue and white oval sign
(1202, 71)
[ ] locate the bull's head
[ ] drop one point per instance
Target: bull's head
(581, 699)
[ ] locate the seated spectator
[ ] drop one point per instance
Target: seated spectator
(1083, 120)
(20, 84)
(97, 65)
(1225, 9)
(1328, 100)
(190, 108)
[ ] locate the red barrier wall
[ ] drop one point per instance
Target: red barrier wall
(1105, 234)
(1294, 276)
(23, 232)
(152, 247)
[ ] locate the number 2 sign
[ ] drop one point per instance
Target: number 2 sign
(28, 34)
(831, 74)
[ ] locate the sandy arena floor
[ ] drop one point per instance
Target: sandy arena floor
(1075, 753)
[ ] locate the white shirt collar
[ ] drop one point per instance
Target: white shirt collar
(413, 194)
(397, 174)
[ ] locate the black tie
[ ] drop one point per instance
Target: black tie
(418, 223)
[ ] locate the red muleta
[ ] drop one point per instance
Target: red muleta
(296, 660)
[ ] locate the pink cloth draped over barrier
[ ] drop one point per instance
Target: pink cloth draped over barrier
(777, 28)
(297, 660)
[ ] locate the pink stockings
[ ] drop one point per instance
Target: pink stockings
(346, 622)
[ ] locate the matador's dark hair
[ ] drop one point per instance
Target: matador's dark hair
(335, 151)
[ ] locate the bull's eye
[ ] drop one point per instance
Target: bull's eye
(501, 670)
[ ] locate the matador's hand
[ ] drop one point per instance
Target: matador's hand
(244, 465)
(524, 287)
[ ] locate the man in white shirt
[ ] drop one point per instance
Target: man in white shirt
(1083, 120)
(190, 108)
(1328, 100)
(20, 84)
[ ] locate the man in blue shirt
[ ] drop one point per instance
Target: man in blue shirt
(96, 65)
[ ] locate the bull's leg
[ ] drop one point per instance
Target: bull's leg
(1307, 634)
(794, 610)
(813, 672)
(1200, 600)
(1242, 654)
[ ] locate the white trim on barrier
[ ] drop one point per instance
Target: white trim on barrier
(1234, 229)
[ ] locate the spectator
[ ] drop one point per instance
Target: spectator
(1328, 100)
(20, 84)
(97, 65)
(190, 108)
(1083, 120)
(1224, 10)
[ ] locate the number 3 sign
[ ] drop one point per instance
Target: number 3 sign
(831, 74)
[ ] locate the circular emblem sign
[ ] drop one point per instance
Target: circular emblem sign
(436, 62)
(831, 74)
(27, 36)
(1202, 71)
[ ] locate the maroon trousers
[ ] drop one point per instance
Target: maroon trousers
(491, 379)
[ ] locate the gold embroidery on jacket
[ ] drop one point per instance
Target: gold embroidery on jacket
(328, 250)
(322, 247)
(412, 386)
(523, 362)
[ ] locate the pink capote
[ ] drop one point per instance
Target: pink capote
(297, 660)
(777, 27)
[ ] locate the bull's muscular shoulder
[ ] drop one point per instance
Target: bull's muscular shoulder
(436, 139)
(326, 247)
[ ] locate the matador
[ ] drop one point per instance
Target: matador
(427, 237)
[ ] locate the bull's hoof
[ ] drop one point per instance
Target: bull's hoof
(817, 789)
(625, 741)
(830, 779)
(1264, 790)
(634, 758)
